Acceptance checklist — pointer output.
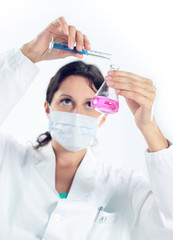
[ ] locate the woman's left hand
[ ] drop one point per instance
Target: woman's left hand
(138, 92)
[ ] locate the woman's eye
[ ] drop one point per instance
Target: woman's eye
(66, 101)
(89, 104)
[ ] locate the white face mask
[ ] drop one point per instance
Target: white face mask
(73, 131)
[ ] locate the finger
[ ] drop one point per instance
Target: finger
(80, 56)
(79, 41)
(149, 92)
(57, 24)
(140, 99)
(64, 25)
(72, 37)
(129, 75)
(87, 44)
(141, 83)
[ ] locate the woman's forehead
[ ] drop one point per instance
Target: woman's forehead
(74, 84)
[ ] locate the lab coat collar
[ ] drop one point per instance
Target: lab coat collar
(83, 182)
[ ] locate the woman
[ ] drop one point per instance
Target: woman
(101, 201)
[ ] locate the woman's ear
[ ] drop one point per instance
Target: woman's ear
(46, 107)
(103, 120)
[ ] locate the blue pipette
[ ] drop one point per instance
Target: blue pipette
(65, 47)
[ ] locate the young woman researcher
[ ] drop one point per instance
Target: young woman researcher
(101, 202)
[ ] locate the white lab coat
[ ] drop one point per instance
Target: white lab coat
(30, 207)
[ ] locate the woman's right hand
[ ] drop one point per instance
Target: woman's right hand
(38, 49)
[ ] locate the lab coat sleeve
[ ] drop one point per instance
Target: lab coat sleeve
(16, 74)
(154, 214)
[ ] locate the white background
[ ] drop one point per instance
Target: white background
(137, 33)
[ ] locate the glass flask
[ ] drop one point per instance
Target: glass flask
(106, 100)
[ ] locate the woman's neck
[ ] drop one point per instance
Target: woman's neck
(65, 158)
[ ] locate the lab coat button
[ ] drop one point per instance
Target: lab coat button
(57, 218)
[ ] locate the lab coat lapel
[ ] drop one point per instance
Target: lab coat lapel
(45, 163)
(83, 182)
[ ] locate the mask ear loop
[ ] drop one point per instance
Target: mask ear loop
(101, 116)
(96, 141)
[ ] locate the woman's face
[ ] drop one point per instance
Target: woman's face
(74, 95)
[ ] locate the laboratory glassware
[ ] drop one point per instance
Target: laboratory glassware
(64, 47)
(106, 100)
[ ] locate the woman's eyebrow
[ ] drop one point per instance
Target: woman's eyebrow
(65, 95)
(88, 99)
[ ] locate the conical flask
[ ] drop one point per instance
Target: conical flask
(106, 100)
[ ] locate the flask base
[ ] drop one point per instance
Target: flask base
(105, 105)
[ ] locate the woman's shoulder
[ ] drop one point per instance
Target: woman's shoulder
(9, 141)
(11, 148)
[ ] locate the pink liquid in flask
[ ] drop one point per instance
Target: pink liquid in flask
(105, 105)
